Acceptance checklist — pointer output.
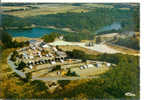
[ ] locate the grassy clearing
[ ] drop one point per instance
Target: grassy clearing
(5, 72)
(12, 7)
(22, 39)
(98, 5)
(3, 59)
(124, 50)
(44, 10)
(124, 8)
(87, 51)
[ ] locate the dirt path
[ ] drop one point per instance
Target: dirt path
(63, 78)
(102, 48)
(124, 50)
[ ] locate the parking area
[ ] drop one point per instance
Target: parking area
(90, 70)
(82, 69)
(44, 60)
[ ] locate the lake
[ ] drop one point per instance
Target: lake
(32, 33)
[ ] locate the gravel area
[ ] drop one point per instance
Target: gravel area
(97, 47)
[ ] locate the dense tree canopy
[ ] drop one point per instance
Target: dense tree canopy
(8, 42)
(130, 42)
(6, 39)
(50, 37)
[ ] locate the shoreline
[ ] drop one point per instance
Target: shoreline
(20, 39)
(66, 29)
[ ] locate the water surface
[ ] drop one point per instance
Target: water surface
(32, 33)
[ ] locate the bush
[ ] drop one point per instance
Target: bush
(63, 82)
(77, 54)
(69, 73)
(40, 85)
(14, 55)
(21, 65)
(7, 41)
(58, 67)
(50, 37)
(130, 42)
(113, 84)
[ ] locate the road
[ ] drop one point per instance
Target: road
(102, 47)
(63, 78)
(97, 47)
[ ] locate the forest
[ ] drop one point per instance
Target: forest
(84, 21)
(130, 42)
(8, 42)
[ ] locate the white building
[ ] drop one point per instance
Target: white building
(108, 64)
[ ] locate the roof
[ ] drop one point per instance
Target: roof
(61, 53)
(32, 41)
(42, 43)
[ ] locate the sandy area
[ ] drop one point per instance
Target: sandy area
(21, 39)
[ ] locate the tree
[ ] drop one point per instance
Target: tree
(122, 78)
(21, 65)
(9, 43)
(69, 73)
(50, 37)
(57, 67)
(63, 82)
(98, 40)
(6, 39)
(40, 85)
(77, 54)
(14, 55)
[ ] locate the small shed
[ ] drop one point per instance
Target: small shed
(90, 65)
(108, 64)
(30, 66)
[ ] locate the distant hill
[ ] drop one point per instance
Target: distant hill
(90, 17)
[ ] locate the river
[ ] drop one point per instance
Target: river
(38, 32)
(32, 33)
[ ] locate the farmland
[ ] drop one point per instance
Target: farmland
(44, 10)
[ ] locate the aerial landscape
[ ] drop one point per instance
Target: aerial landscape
(65, 51)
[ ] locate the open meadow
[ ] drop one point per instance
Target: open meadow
(44, 10)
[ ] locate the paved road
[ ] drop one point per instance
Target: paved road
(63, 78)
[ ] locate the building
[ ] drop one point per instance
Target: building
(43, 44)
(108, 64)
(32, 41)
